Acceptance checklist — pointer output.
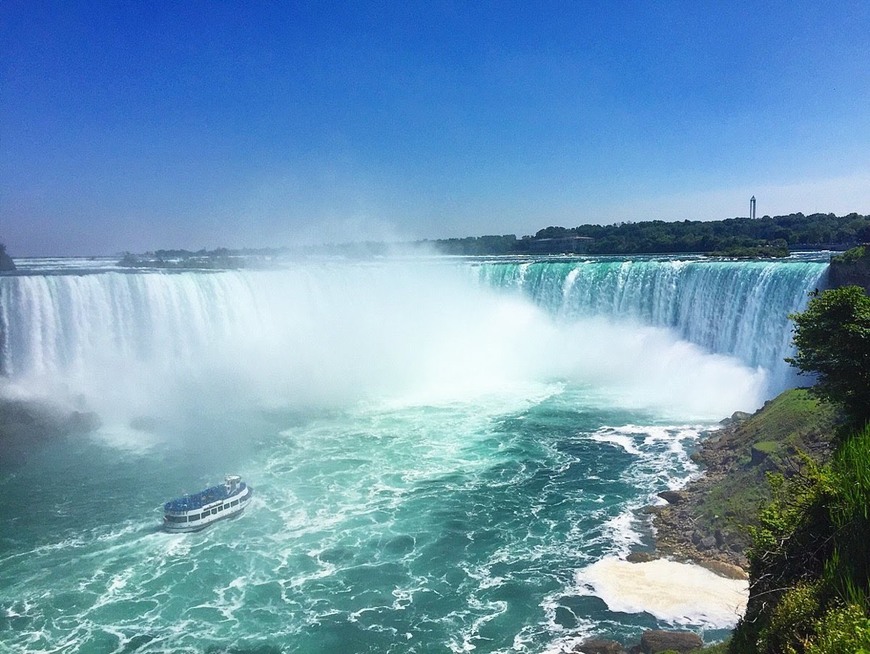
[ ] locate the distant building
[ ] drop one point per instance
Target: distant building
(752, 208)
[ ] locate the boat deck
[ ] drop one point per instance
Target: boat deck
(202, 498)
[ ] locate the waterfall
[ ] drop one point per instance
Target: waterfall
(728, 307)
(347, 326)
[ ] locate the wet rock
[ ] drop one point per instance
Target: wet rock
(672, 497)
(640, 557)
(736, 418)
(654, 641)
(6, 262)
(726, 570)
(600, 646)
(27, 425)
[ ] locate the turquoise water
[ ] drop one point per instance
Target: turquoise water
(436, 452)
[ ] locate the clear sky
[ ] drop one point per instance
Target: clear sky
(143, 125)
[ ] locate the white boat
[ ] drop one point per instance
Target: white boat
(194, 512)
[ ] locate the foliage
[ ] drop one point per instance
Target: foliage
(788, 417)
(741, 237)
(734, 237)
(810, 590)
(718, 648)
(851, 256)
(788, 620)
(833, 341)
(478, 246)
(794, 231)
(842, 630)
(755, 252)
(6, 262)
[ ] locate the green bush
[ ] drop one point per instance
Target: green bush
(810, 572)
(842, 630)
(850, 256)
(786, 629)
(833, 342)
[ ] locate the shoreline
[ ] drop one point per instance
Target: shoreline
(706, 521)
(681, 530)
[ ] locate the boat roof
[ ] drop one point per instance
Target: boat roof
(200, 499)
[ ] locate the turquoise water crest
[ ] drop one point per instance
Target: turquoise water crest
(436, 447)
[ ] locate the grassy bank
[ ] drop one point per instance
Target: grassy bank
(810, 566)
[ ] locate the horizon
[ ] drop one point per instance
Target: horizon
(194, 126)
(235, 250)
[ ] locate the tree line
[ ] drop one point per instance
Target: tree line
(792, 232)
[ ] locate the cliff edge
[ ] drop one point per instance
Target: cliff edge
(6, 262)
(852, 268)
(707, 521)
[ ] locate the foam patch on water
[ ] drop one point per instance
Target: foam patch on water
(678, 593)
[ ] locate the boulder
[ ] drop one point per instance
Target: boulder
(672, 497)
(727, 570)
(654, 641)
(600, 646)
(640, 557)
(736, 418)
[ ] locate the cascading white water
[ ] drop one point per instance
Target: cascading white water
(322, 332)
(735, 308)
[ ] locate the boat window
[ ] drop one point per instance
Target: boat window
(176, 518)
(213, 511)
(234, 503)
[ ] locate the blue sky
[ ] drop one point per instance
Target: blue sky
(135, 126)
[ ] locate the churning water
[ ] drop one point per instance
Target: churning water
(445, 453)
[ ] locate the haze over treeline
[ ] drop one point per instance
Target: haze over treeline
(766, 236)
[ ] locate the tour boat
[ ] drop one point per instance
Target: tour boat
(193, 512)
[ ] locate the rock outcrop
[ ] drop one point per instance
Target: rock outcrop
(655, 641)
(600, 646)
(6, 263)
(851, 269)
(706, 521)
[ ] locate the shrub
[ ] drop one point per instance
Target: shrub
(833, 342)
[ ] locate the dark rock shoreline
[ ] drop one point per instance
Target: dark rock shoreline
(705, 522)
(681, 533)
(651, 642)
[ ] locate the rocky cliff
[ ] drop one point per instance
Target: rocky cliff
(851, 268)
(6, 262)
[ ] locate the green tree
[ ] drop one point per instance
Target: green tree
(833, 341)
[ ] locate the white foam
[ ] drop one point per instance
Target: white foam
(620, 440)
(678, 593)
